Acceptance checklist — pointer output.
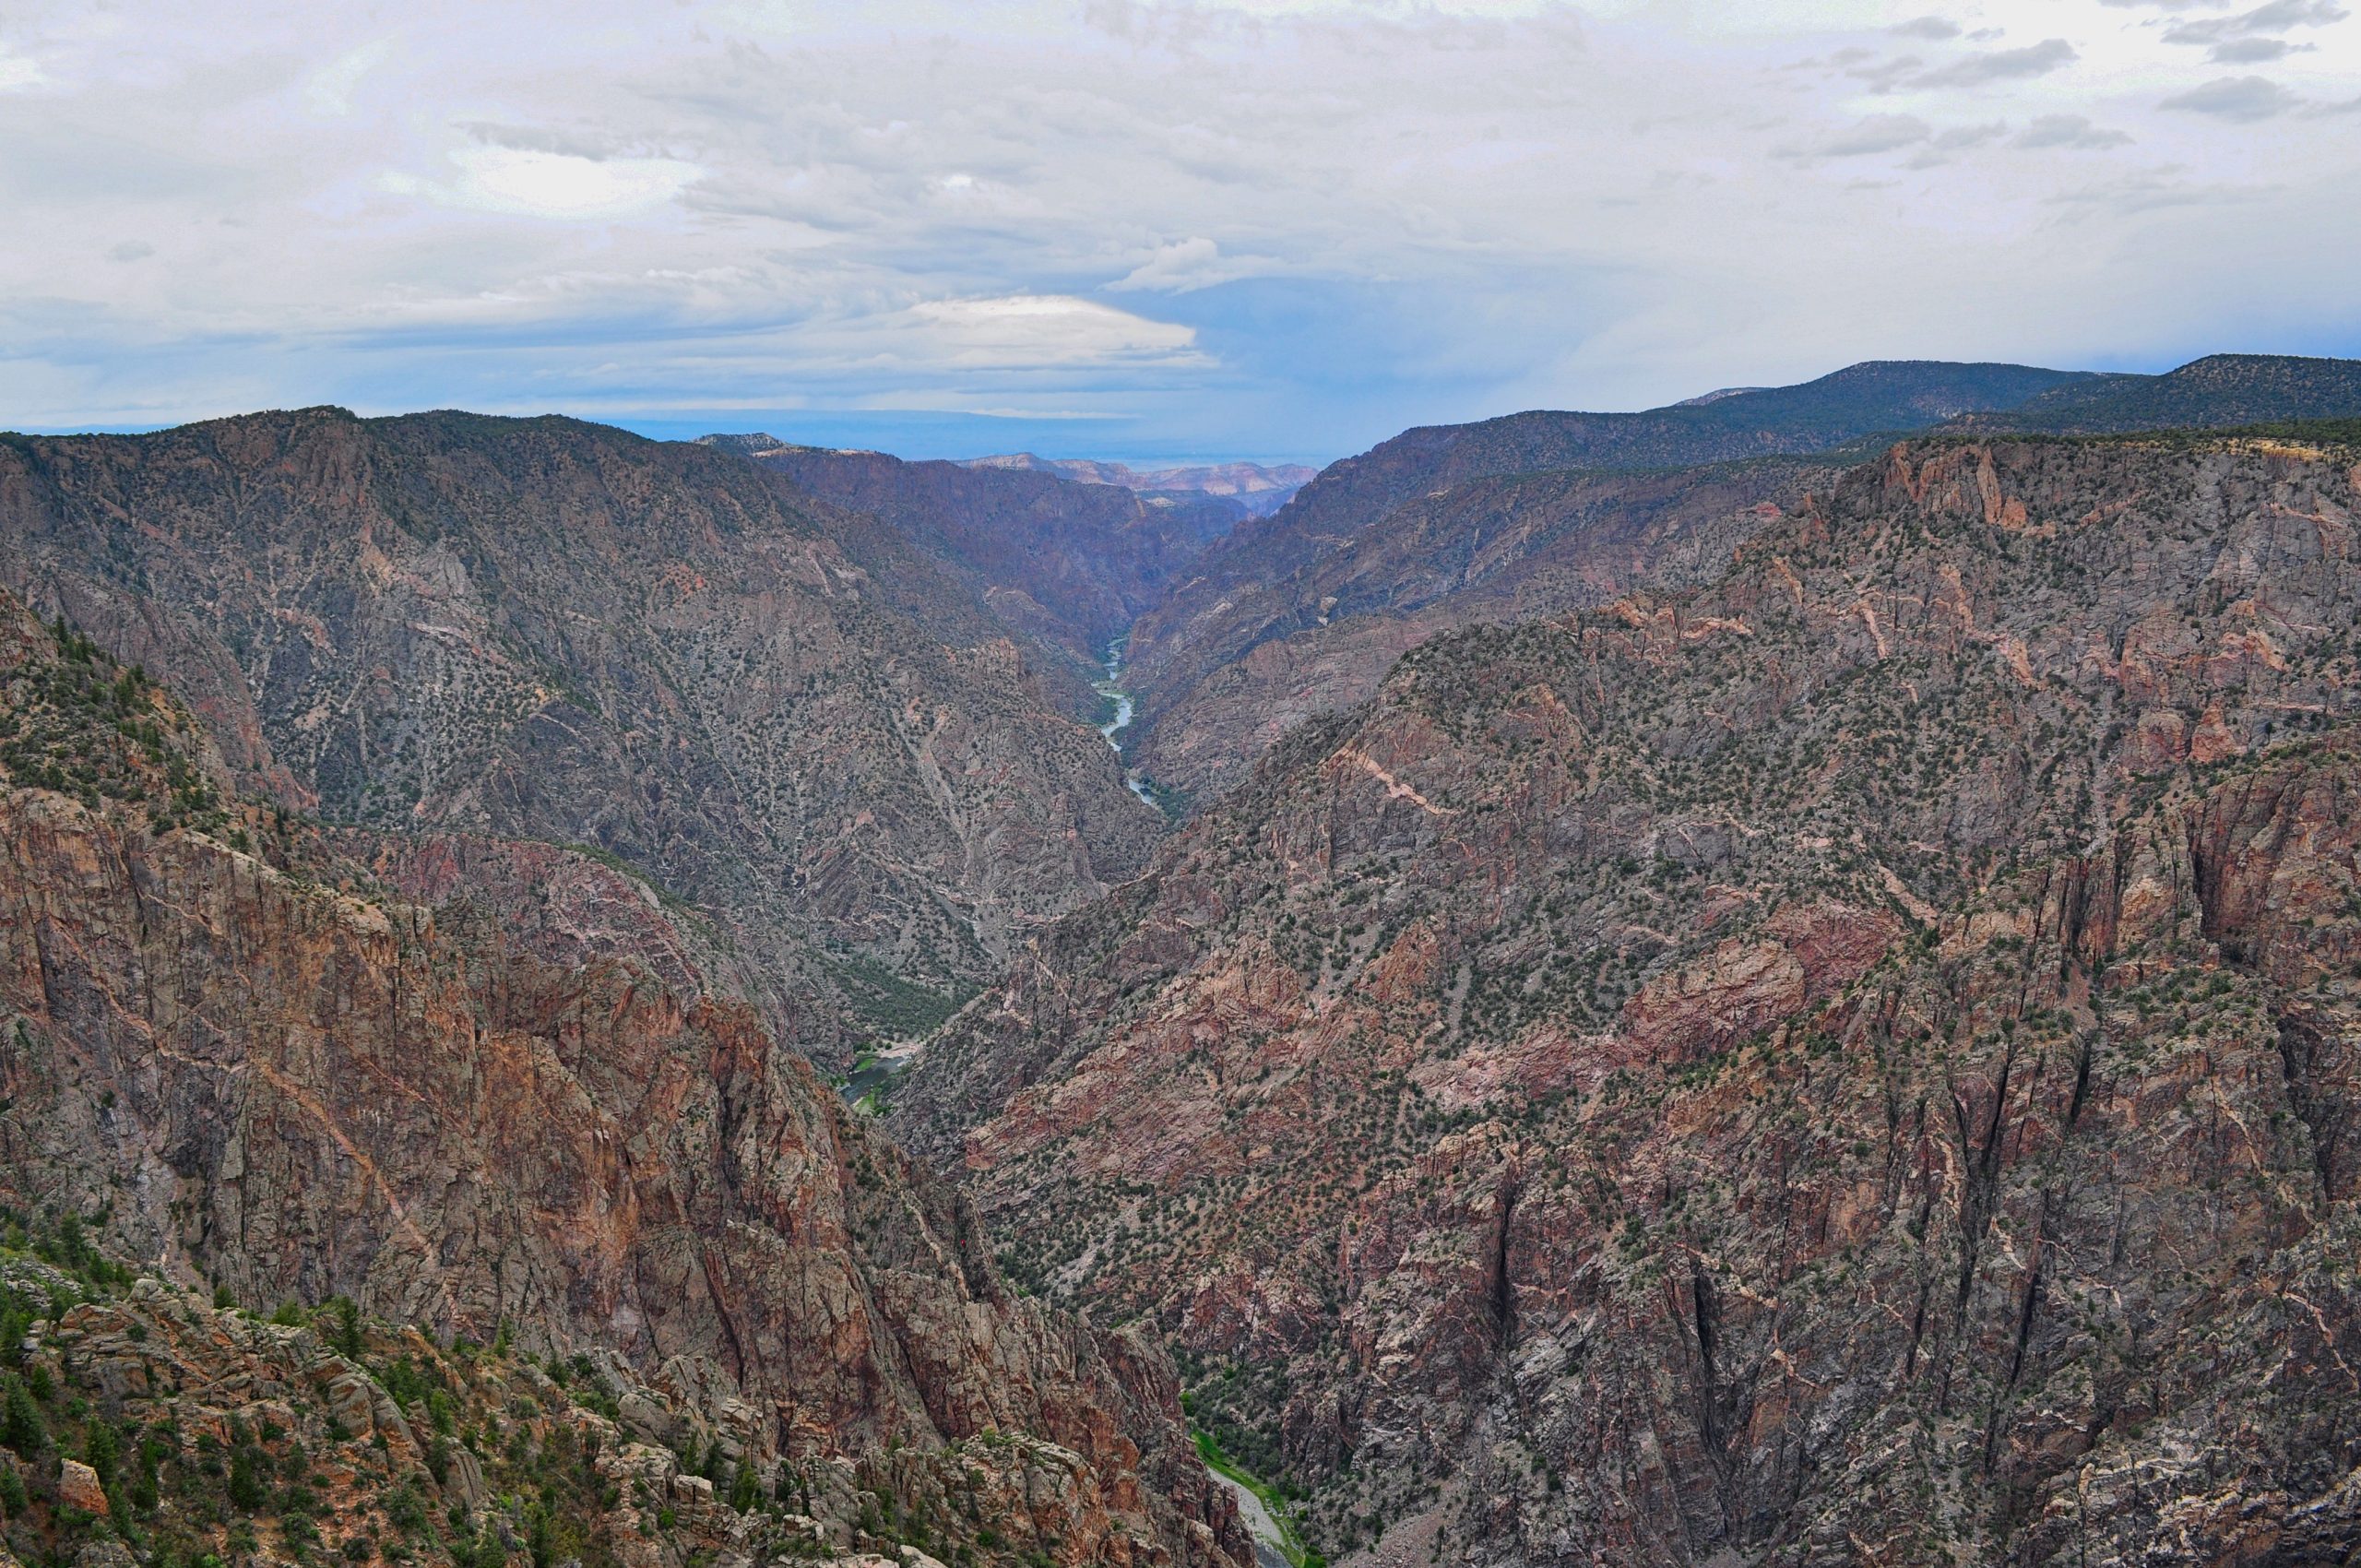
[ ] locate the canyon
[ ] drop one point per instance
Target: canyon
(1769, 981)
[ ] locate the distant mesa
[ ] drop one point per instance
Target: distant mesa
(1261, 489)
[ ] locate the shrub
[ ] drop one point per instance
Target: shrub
(245, 1481)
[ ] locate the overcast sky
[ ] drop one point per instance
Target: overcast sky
(1129, 227)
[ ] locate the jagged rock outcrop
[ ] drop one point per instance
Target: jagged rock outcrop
(271, 1071)
(212, 1431)
(1851, 1062)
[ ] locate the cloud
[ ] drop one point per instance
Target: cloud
(1867, 138)
(18, 71)
(1884, 75)
(2253, 50)
(2277, 15)
(1289, 227)
(1937, 28)
(1944, 145)
(550, 185)
(1031, 331)
(2070, 131)
(2003, 65)
(130, 250)
(2151, 190)
(330, 89)
(2242, 99)
(1185, 265)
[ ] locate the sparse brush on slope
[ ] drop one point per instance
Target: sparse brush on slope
(1853, 1061)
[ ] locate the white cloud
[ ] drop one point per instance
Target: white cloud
(330, 89)
(1184, 266)
(1035, 331)
(18, 71)
(549, 184)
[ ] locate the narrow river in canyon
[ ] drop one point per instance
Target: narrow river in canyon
(1112, 688)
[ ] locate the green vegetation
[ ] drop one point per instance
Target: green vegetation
(218, 1435)
(898, 1008)
(184, 1488)
(75, 721)
(1271, 1498)
(1169, 799)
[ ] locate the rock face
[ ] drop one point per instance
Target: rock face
(1352, 496)
(1855, 1062)
(489, 1087)
(311, 1434)
(783, 713)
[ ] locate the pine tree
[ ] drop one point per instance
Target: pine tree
(21, 1427)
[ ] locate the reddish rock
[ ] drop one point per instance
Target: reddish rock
(78, 1487)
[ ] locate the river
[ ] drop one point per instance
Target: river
(1270, 1543)
(1112, 688)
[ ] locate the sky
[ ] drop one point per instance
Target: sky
(1279, 230)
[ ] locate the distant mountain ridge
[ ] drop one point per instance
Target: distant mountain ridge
(1353, 493)
(2220, 391)
(1260, 489)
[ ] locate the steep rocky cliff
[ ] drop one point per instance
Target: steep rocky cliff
(780, 712)
(146, 1421)
(488, 1090)
(1856, 1061)
(1071, 564)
